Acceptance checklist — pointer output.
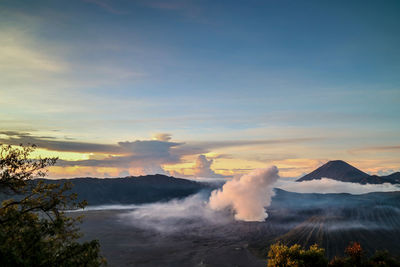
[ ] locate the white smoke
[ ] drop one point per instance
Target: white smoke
(243, 198)
(247, 195)
(176, 215)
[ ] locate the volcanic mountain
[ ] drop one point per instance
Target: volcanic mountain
(342, 171)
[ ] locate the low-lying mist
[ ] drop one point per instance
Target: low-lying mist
(246, 198)
(330, 186)
(243, 198)
(225, 223)
(176, 215)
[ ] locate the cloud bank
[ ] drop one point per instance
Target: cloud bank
(247, 195)
(326, 186)
(138, 157)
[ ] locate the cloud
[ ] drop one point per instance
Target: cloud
(247, 195)
(326, 185)
(195, 148)
(162, 137)
(141, 156)
(16, 138)
(106, 5)
(150, 148)
(161, 146)
(18, 60)
(208, 145)
(372, 149)
(202, 168)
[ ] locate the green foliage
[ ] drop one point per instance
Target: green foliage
(383, 259)
(34, 230)
(281, 255)
(355, 258)
(338, 262)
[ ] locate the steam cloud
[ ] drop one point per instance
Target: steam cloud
(175, 215)
(242, 198)
(247, 195)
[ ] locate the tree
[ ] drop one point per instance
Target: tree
(383, 259)
(355, 253)
(280, 255)
(34, 229)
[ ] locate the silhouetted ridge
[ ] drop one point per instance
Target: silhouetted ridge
(342, 171)
(131, 190)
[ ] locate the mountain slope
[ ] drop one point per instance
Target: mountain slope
(338, 170)
(131, 190)
(342, 171)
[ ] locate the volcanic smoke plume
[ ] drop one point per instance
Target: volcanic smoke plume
(247, 195)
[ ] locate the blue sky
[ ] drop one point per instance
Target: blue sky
(100, 71)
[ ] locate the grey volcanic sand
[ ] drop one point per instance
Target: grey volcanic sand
(332, 220)
(124, 244)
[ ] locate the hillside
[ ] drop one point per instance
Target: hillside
(344, 172)
(131, 190)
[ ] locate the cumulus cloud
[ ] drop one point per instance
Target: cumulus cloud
(144, 156)
(162, 137)
(151, 149)
(140, 156)
(247, 195)
(326, 185)
(202, 168)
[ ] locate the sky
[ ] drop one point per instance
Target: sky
(201, 88)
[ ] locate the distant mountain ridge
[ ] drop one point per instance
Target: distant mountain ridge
(344, 172)
(131, 190)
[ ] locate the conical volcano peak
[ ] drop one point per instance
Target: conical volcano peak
(337, 162)
(337, 170)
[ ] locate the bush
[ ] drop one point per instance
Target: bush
(281, 255)
(34, 230)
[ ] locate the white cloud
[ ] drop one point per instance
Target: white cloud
(202, 168)
(162, 137)
(326, 185)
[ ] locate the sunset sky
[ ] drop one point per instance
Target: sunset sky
(201, 88)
